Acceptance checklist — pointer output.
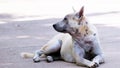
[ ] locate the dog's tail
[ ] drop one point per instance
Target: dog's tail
(27, 55)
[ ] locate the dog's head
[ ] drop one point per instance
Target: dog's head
(71, 22)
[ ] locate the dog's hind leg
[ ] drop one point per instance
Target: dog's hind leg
(52, 46)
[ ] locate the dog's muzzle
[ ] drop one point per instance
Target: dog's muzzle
(59, 29)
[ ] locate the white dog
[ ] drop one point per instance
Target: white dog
(78, 42)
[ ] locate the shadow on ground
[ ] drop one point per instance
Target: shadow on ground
(27, 36)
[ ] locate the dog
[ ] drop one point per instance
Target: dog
(78, 42)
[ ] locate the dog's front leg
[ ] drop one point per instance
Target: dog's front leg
(99, 58)
(79, 57)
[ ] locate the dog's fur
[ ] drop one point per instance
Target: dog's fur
(78, 42)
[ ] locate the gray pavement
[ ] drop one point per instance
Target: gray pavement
(28, 36)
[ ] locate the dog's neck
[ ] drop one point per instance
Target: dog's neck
(80, 36)
(83, 31)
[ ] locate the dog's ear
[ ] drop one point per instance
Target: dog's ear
(74, 9)
(81, 12)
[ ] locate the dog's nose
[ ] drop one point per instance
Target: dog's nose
(54, 25)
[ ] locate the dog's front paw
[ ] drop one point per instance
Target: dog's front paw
(94, 65)
(37, 59)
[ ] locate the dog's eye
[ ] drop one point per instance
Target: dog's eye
(65, 18)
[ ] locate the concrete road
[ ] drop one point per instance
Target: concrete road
(26, 25)
(28, 36)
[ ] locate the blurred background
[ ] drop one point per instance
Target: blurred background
(102, 11)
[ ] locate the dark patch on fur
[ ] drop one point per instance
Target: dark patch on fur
(79, 23)
(94, 34)
(76, 31)
(88, 42)
(86, 22)
(86, 30)
(84, 35)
